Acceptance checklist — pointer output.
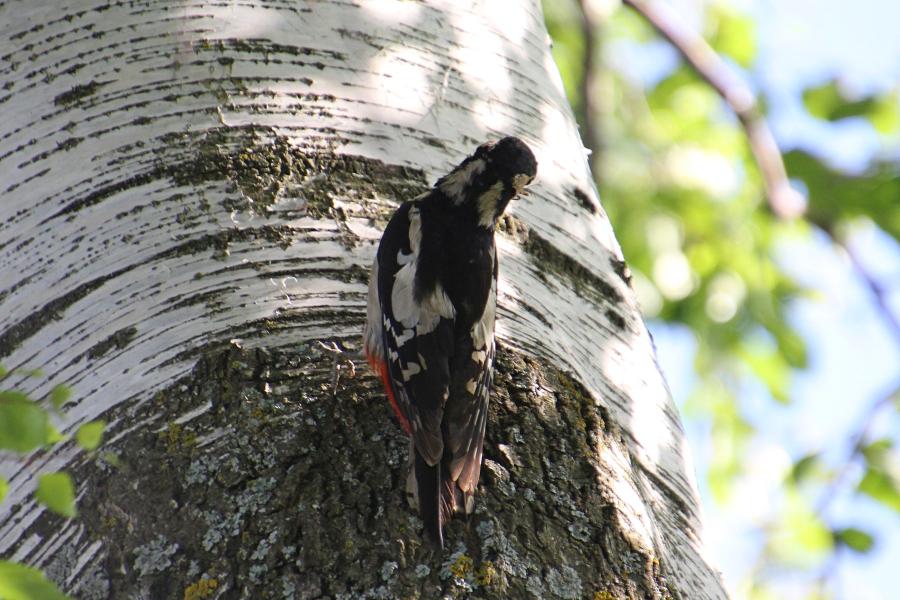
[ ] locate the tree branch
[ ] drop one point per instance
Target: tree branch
(783, 200)
(590, 23)
(855, 448)
(875, 288)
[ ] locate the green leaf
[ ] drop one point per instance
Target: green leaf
(734, 34)
(885, 116)
(823, 101)
(855, 539)
(875, 452)
(18, 582)
(58, 395)
(792, 348)
(57, 492)
(896, 400)
(3, 371)
(23, 424)
(835, 196)
(4, 487)
(829, 103)
(805, 467)
(111, 458)
(29, 372)
(800, 539)
(13, 396)
(53, 434)
(881, 487)
(771, 368)
(90, 434)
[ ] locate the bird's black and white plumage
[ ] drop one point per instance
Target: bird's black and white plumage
(430, 322)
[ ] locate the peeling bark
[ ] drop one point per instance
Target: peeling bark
(192, 194)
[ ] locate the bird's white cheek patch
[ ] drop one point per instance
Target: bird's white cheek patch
(456, 183)
(487, 204)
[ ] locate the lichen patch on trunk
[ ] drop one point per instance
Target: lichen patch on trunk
(275, 483)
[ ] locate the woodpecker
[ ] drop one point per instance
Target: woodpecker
(429, 329)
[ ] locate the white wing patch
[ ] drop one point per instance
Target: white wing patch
(372, 336)
(483, 330)
(424, 316)
(410, 370)
(416, 318)
(403, 304)
(439, 302)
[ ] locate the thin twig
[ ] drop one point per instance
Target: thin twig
(880, 296)
(590, 24)
(877, 290)
(784, 201)
(855, 449)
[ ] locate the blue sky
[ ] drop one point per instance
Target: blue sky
(853, 358)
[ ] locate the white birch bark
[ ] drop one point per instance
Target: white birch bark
(134, 230)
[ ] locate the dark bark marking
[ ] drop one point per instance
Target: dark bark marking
(550, 259)
(77, 93)
(585, 200)
(119, 340)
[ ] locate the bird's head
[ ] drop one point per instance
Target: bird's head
(486, 181)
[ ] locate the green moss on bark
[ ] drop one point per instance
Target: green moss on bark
(265, 167)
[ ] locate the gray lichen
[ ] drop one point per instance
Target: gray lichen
(564, 583)
(154, 557)
(388, 569)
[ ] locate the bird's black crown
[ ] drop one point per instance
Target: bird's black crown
(508, 157)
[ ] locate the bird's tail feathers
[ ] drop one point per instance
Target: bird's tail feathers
(439, 497)
(428, 487)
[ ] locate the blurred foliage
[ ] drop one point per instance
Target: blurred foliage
(687, 203)
(18, 582)
(830, 103)
(26, 426)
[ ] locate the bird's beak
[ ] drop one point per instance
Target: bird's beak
(520, 182)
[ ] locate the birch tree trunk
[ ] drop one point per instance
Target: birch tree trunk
(192, 193)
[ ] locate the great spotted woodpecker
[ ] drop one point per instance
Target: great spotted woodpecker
(430, 323)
